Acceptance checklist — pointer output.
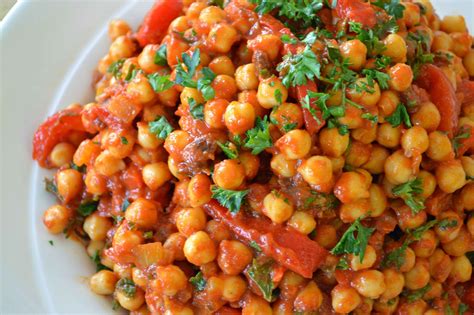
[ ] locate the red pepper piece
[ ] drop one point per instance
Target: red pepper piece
(287, 246)
(157, 20)
(356, 11)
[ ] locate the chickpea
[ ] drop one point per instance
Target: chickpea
(427, 116)
(256, 306)
(389, 136)
(214, 113)
(356, 53)
(211, 15)
(376, 162)
(222, 65)
(366, 134)
(287, 115)
(156, 175)
(217, 231)
(461, 44)
(332, 142)
(442, 41)
(269, 43)
(277, 207)
(122, 47)
(401, 77)
(309, 298)
(146, 138)
(364, 94)
(425, 247)
(130, 303)
(199, 249)
(415, 141)
(369, 259)
(386, 306)
(369, 283)
(118, 28)
(349, 212)
(398, 168)
(191, 220)
(409, 261)
(61, 154)
(395, 281)
(246, 77)
(170, 279)
(468, 62)
(460, 245)
(440, 148)
(233, 257)
(378, 200)
(450, 176)
(56, 219)
(453, 23)
(357, 153)
(224, 87)
(239, 117)
(428, 182)
(282, 166)
(103, 282)
(344, 299)
(418, 276)
(351, 186)
(146, 59)
(141, 89)
(176, 141)
(221, 37)
(470, 226)
(462, 269)
(317, 171)
(86, 152)
(174, 244)
(234, 288)
(69, 184)
(467, 196)
(302, 222)
(468, 165)
(396, 48)
(139, 277)
(189, 93)
(440, 265)
(407, 219)
(449, 227)
(107, 165)
(229, 174)
(326, 236)
(95, 247)
(199, 190)
(295, 144)
(411, 14)
(143, 213)
(267, 94)
(97, 226)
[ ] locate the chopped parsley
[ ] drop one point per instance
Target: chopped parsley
(255, 246)
(464, 133)
(160, 83)
(161, 56)
(399, 116)
(261, 274)
(124, 140)
(462, 308)
(411, 192)
(160, 127)
(198, 281)
(447, 224)
(51, 187)
(258, 138)
(185, 77)
(413, 296)
(278, 96)
(125, 205)
(127, 287)
(115, 68)
(86, 208)
(204, 84)
(231, 199)
(81, 169)
(368, 37)
(343, 264)
(330, 114)
(229, 149)
(354, 244)
(298, 69)
(148, 234)
(422, 54)
(396, 258)
(373, 75)
(370, 117)
(196, 110)
(392, 7)
(98, 264)
(132, 73)
(51, 242)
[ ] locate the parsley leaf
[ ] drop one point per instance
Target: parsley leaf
(132, 73)
(125, 205)
(148, 235)
(396, 258)
(392, 7)
(115, 68)
(462, 308)
(198, 281)
(185, 77)
(160, 127)
(261, 275)
(231, 199)
(255, 246)
(258, 138)
(298, 69)
(160, 83)
(410, 193)
(413, 296)
(463, 133)
(51, 242)
(375, 75)
(124, 140)
(370, 117)
(51, 187)
(98, 264)
(399, 116)
(86, 208)
(368, 37)
(204, 84)
(422, 53)
(343, 264)
(351, 244)
(416, 234)
(127, 287)
(161, 56)
(196, 110)
(229, 149)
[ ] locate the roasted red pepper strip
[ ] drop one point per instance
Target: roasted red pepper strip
(311, 123)
(54, 130)
(356, 11)
(442, 94)
(287, 246)
(157, 20)
(467, 89)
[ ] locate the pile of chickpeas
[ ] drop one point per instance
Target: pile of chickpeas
(163, 236)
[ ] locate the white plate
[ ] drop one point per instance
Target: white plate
(49, 49)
